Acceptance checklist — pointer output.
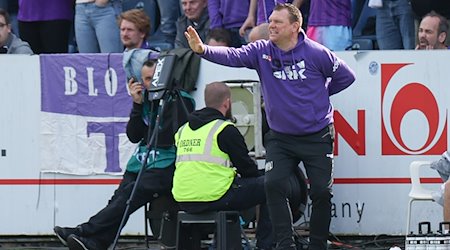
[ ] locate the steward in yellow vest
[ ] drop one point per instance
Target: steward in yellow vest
(203, 169)
(213, 170)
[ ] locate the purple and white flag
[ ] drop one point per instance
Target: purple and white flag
(85, 107)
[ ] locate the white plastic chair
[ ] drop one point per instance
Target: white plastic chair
(417, 192)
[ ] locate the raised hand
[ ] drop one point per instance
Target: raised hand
(194, 40)
(249, 23)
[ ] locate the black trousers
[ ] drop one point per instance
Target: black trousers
(284, 153)
(46, 36)
(103, 226)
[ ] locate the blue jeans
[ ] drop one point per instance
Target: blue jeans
(164, 37)
(334, 37)
(96, 29)
(395, 25)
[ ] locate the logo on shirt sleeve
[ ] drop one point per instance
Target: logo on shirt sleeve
(335, 65)
(267, 57)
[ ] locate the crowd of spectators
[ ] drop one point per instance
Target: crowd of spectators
(91, 26)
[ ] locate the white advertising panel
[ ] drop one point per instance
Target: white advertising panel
(395, 113)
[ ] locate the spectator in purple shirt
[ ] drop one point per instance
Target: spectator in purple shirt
(229, 15)
(330, 23)
(45, 24)
(297, 76)
(258, 18)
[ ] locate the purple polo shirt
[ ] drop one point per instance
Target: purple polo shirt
(330, 13)
(227, 13)
(45, 10)
(265, 8)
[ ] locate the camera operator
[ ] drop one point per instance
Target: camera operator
(156, 180)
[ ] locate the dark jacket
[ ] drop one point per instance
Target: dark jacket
(16, 46)
(230, 141)
(202, 28)
(174, 115)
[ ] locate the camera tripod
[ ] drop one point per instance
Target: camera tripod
(151, 145)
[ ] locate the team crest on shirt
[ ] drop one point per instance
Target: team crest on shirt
(293, 72)
(267, 57)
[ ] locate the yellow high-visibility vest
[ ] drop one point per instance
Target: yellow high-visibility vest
(203, 171)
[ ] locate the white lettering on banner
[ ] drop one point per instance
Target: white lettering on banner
(111, 82)
(71, 86)
(90, 74)
(342, 210)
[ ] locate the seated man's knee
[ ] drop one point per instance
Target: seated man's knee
(277, 186)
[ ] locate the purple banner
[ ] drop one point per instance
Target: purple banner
(84, 84)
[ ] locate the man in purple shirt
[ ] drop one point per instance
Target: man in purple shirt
(298, 76)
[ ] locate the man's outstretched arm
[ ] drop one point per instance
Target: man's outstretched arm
(194, 40)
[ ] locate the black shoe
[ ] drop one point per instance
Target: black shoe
(63, 233)
(76, 242)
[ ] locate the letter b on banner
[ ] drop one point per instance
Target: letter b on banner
(401, 100)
